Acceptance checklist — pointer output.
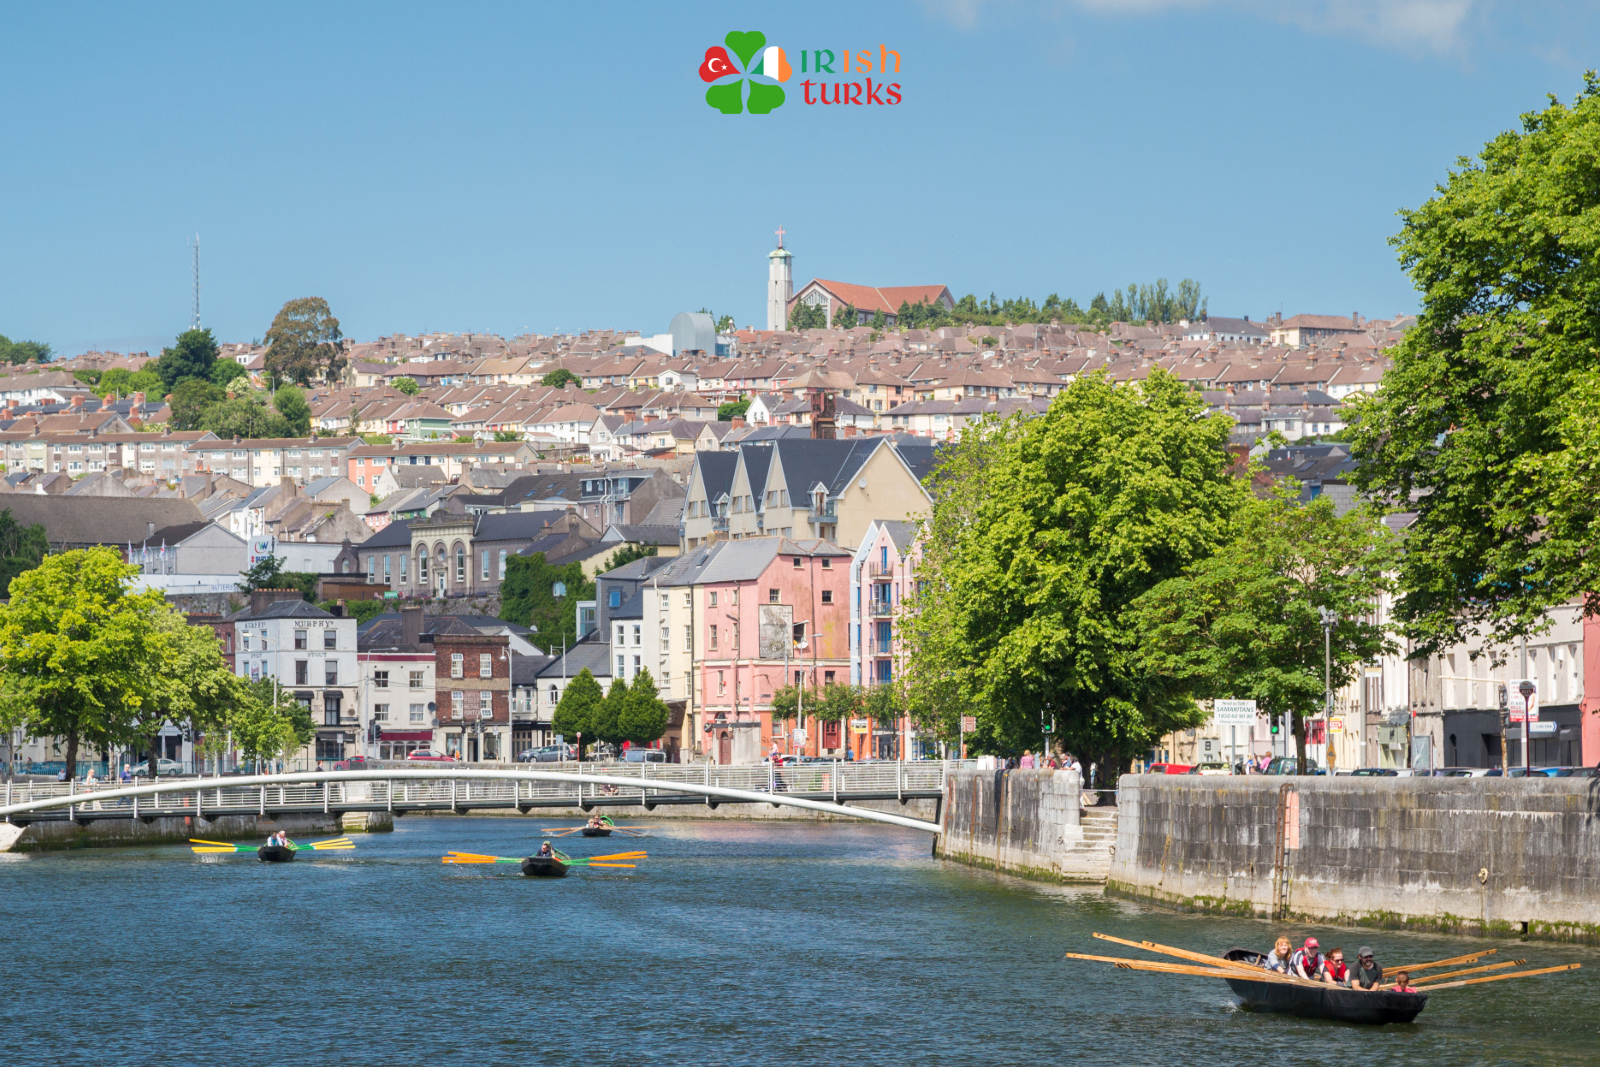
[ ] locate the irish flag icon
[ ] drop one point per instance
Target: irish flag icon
(774, 64)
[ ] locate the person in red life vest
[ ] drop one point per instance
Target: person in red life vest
(1307, 963)
(1334, 970)
(1402, 983)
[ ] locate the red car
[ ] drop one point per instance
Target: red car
(1168, 768)
(424, 754)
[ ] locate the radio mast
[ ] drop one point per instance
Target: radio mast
(196, 244)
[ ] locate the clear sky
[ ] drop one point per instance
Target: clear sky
(555, 166)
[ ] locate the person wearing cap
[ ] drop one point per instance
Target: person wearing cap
(1366, 974)
(1307, 963)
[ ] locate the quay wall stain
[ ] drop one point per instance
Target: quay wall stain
(1480, 856)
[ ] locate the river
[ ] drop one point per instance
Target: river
(733, 943)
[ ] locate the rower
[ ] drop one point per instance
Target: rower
(1334, 970)
(546, 851)
(1307, 963)
(1278, 958)
(596, 823)
(1402, 983)
(1366, 974)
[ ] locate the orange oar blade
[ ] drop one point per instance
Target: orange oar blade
(469, 857)
(611, 865)
(620, 856)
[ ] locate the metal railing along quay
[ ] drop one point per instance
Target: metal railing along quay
(833, 781)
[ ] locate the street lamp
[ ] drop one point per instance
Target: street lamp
(1527, 689)
(1330, 619)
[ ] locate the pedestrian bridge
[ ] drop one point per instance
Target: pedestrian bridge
(826, 787)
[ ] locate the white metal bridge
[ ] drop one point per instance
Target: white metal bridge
(825, 787)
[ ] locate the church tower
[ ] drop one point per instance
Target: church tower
(780, 285)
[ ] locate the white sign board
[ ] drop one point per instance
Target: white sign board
(798, 735)
(1233, 712)
(969, 723)
(1548, 728)
(1514, 701)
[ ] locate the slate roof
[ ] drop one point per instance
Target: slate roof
(514, 525)
(903, 534)
(593, 653)
(395, 535)
(100, 520)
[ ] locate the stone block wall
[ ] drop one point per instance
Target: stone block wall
(1022, 822)
(1461, 855)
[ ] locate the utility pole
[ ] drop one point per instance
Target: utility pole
(195, 325)
(1330, 619)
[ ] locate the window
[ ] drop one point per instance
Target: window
(502, 571)
(827, 563)
(713, 601)
(688, 638)
(302, 672)
(733, 597)
(557, 589)
(458, 703)
(713, 638)
(555, 694)
(722, 683)
(372, 567)
(636, 634)
(380, 679)
(386, 575)
(299, 639)
(688, 600)
(416, 679)
(245, 641)
(422, 566)
(772, 596)
(622, 668)
(485, 665)
(797, 563)
(380, 712)
(330, 672)
(456, 665)
(485, 704)
(416, 712)
(616, 598)
(827, 596)
(483, 565)
(461, 564)
(666, 639)
(404, 560)
(827, 677)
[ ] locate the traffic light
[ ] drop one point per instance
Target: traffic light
(1274, 722)
(377, 728)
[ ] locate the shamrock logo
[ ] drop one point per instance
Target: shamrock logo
(756, 61)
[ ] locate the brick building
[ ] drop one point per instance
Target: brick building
(473, 684)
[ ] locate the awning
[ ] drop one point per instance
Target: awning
(407, 735)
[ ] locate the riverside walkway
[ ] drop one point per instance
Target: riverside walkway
(400, 788)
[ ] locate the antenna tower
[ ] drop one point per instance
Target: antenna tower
(196, 244)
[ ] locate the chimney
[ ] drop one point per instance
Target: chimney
(138, 400)
(410, 625)
(77, 405)
(149, 529)
(338, 609)
(236, 439)
(738, 422)
(261, 599)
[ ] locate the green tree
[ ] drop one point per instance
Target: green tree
(726, 324)
(19, 352)
(644, 715)
(190, 685)
(146, 381)
(729, 410)
(879, 321)
(628, 554)
(507, 436)
(1485, 427)
(114, 382)
(268, 573)
(291, 404)
(267, 721)
(304, 343)
(1043, 533)
(247, 416)
(838, 703)
(190, 400)
(807, 317)
(1246, 622)
(560, 378)
(91, 378)
(606, 719)
(845, 317)
(536, 594)
(22, 548)
(79, 648)
(408, 386)
(224, 371)
(192, 356)
(576, 712)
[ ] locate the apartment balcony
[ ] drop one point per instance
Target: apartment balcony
(880, 609)
(881, 571)
(876, 648)
(828, 513)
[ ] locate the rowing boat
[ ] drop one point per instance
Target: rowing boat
(545, 866)
(597, 831)
(275, 854)
(1319, 1000)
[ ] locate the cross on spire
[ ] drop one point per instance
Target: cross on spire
(780, 235)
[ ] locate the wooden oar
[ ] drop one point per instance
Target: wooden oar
(606, 865)
(203, 841)
(1471, 957)
(473, 857)
(1178, 968)
(1193, 957)
(618, 856)
(1469, 970)
(334, 843)
(1503, 977)
(560, 831)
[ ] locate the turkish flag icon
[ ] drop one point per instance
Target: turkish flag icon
(717, 64)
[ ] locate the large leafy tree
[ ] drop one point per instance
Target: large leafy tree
(245, 416)
(23, 351)
(544, 597)
(1247, 622)
(560, 378)
(190, 401)
(575, 714)
(191, 688)
(1488, 426)
(304, 343)
(1042, 535)
(224, 371)
(644, 715)
(807, 317)
(267, 722)
(79, 646)
(192, 356)
(408, 386)
(606, 718)
(291, 404)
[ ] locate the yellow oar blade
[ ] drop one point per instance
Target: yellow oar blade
(470, 857)
(202, 841)
(321, 845)
(620, 856)
(229, 849)
(611, 865)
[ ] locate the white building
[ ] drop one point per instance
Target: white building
(397, 695)
(312, 654)
(780, 285)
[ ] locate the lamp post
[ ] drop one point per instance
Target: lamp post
(1527, 689)
(1330, 619)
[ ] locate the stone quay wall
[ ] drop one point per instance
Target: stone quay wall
(1485, 856)
(169, 829)
(1023, 822)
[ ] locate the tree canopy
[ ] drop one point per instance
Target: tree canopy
(537, 594)
(575, 714)
(644, 715)
(249, 415)
(190, 401)
(18, 352)
(291, 404)
(409, 386)
(1488, 425)
(560, 378)
(806, 316)
(22, 548)
(119, 381)
(192, 355)
(729, 410)
(304, 343)
(1043, 533)
(224, 371)
(1246, 623)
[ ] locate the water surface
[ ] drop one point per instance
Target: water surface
(734, 943)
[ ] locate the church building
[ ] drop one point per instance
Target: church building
(819, 292)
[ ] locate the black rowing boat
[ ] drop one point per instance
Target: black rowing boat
(544, 867)
(1320, 1001)
(597, 831)
(275, 854)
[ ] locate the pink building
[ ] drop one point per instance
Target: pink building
(771, 611)
(882, 583)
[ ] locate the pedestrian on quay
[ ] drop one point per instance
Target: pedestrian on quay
(1026, 762)
(127, 775)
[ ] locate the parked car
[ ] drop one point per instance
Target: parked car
(354, 763)
(553, 754)
(1210, 769)
(644, 755)
(1167, 768)
(1373, 772)
(1289, 765)
(164, 768)
(426, 755)
(1460, 772)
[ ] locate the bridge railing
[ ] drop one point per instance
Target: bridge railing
(842, 779)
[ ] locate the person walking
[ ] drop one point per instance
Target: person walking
(1026, 762)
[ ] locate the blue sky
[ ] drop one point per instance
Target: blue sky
(544, 167)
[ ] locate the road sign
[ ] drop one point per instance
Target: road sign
(1233, 712)
(1336, 726)
(1514, 702)
(969, 723)
(1547, 728)
(558, 739)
